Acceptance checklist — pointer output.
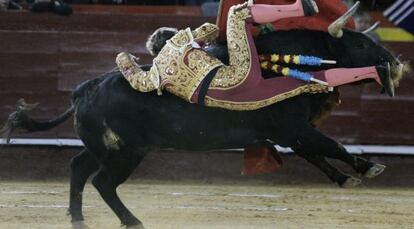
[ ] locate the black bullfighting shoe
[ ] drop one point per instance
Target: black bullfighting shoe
(310, 7)
(384, 72)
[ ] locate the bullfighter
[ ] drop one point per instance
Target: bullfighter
(182, 65)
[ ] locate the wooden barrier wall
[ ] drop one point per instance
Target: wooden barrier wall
(43, 57)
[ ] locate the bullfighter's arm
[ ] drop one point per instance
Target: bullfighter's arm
(143, 81)
(205, 34)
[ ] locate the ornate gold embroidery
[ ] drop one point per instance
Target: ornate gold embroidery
(181, 40)
(139, 79)
(231, 76)
(206, 33)
(178, 66)
(254, 105)
(183, 68)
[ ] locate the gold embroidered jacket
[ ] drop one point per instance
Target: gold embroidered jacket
(180, 66)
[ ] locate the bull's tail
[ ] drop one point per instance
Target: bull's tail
(21, 120)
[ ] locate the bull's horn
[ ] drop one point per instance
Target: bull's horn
(335, 29)
(372, 28)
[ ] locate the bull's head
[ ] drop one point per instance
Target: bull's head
(357, 49)
(360, 48)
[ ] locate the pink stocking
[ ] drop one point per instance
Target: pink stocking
(263, 13)
(339, 76)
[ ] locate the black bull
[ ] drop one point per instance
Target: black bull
(119, 126)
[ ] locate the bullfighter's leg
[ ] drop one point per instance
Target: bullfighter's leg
(243, 58)
(336, 76)
(264, 13)
(117, 168)
(334, 174)
(82, 166)
(339, 76)
(314, 140)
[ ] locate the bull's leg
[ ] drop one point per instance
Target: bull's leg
(362, 166)
(82, 166)
(113, 173)
(333, 173)
(315, 140)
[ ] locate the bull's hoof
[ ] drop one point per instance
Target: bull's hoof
(132, 223)
(76, 216)
(139, 226)
(351, 182)
(374, 171)
(79, 225)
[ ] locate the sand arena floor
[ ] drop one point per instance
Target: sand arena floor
(198, 205)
